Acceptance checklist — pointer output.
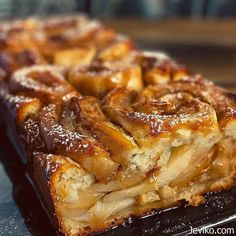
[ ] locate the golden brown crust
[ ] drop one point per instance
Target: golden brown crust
(11, 61)
(62, 134)
(156, 112)
(31, 41)
(43, 82)
(117, 50)
(222, 101)
(100, 78)
(159, 69)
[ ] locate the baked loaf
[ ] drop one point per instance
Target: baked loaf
(107, 131)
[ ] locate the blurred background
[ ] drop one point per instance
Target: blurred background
(199, 33)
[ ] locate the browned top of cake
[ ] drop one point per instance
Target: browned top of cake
(116, 99)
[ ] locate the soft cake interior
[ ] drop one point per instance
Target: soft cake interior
(185, 171)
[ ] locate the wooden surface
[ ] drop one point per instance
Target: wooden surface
(206, 47)
(214, 33)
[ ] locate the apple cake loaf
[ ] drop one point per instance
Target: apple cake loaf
(108, 131)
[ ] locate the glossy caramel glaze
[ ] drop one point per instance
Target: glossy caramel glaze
(98, 79)
(31, 41)
(159, 69)
(157, 112)
(222, 101)
(45, 82)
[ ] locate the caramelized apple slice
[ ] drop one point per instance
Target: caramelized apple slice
(99, 78)
(64, 140)
(116, 51)
(79, 56)
(107, 133)
(159, 69)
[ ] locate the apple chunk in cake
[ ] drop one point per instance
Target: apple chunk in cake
(134, 152)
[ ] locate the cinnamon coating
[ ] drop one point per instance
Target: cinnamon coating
(113, 137)
(62, 133)
(44, 82)
(219, 99)
(91, 34)
(77, 126)
(32, 41)
(155, 112)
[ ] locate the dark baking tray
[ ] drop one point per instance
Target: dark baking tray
(22, 214)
